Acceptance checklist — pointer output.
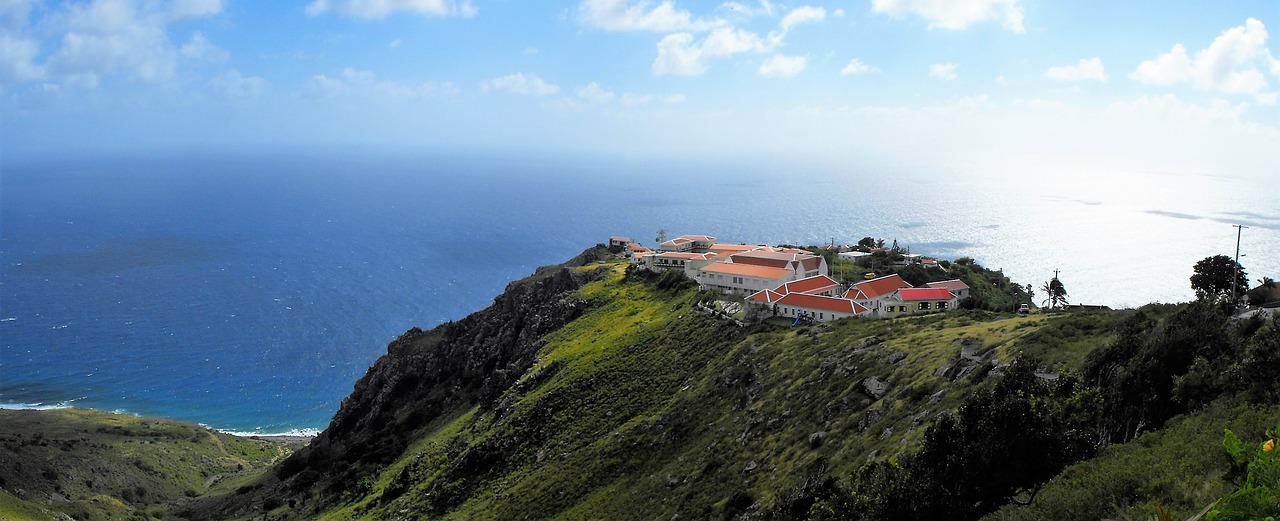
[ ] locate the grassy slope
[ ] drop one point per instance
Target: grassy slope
(1180, 466)
(645, 408)
(96, 465)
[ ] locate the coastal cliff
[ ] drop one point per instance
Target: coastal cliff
(593, 390)
(424, 376)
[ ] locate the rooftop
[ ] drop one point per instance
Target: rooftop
(747, 270)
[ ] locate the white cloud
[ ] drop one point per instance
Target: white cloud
(855, 66)
(622, 15)
(679, 54)
(18, 60)
(803, 14)
(199, 48)
(353, 82)
(374, 9)
(395, 44)
(946, 71)
(593, 93)
(101, 37)
(233, 85)
(519, 83)
(782, 66)
(956, 14)
(1087, 69)
(1231, 64)
(529, 50)
(797, 16)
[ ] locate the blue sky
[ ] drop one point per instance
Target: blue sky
(1176, 82)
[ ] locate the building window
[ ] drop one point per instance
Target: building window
(924, 306)
(942, 305)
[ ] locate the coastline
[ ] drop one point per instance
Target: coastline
(292, 436)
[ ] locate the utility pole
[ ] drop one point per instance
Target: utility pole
(1235, 277)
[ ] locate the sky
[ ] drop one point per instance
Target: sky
(1174, 82)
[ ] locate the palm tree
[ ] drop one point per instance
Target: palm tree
(1056, 292)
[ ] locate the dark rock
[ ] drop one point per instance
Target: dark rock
(896, 357)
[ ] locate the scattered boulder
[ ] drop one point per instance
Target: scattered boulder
(937, 397)
(896, 357)
(874, 387)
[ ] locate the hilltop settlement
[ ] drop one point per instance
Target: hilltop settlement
(791, 282)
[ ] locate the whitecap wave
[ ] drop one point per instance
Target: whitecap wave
(297, 433)
(35, 406)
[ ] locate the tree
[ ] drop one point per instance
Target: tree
(867, 242)
(1216, 276)
(1056, 292)
(1031, 294)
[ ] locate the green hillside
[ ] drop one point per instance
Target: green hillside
(592, 391)
(95, 465)
(644, 407)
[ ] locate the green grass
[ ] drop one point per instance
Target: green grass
(1181, 467)
(111, 466)
(645, 408)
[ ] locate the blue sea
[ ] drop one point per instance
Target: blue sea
(249, 291)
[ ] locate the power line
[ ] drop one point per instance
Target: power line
(1236, 276)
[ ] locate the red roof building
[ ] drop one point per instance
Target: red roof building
(876, 288)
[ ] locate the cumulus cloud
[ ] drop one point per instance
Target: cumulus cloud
(353, 82)
(593, 93)
(946, 71)
(375, 9)
(1087, 69)
(18, 60)
(782, 66)
(855, 66)
(800, 15)
(956, 14)
(679, 54)
(199, 48)
(101, 37)
(622, 15)
(234, 86)
(519, 83)
(1232, 64)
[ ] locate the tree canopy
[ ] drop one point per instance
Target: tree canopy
(1214, 276)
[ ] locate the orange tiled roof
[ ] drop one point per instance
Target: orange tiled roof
(816, 284)
(636, 247)
(732, 248)
(688, 238)
(747, 270)
(766, 296)
(842, 305)
(875, 288)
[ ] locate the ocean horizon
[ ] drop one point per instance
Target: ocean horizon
(248, 292)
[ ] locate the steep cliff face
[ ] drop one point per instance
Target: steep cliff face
(424, 376)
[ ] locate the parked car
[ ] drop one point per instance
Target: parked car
(1024, 309)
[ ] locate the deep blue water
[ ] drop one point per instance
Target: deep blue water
(249, 292)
